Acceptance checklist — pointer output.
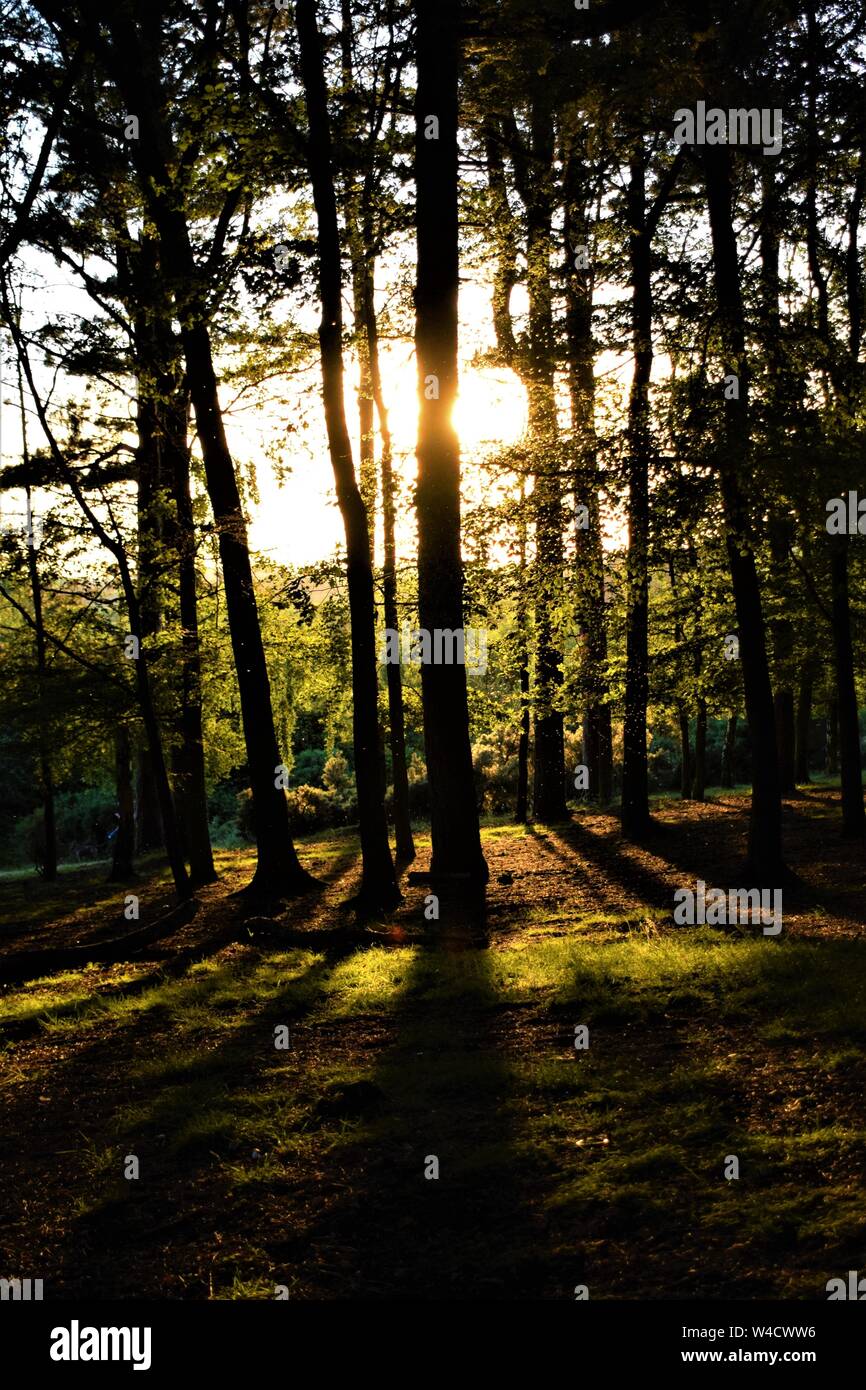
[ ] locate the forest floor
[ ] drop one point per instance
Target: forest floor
(304, 1168)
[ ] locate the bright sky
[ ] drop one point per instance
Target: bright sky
(296, 520)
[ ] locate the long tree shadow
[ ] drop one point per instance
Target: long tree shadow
(676, 855)
(95, 1237)
(430, 1199)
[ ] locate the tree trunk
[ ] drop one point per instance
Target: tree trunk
(379, 890)
(396, 714)
(765, 829)
(804, 720)
(548, 791)
(783, 655)
(831, 742)
(853, 814)
(191, 783)
(164, 472)
(136, 70)
(454, 812)
(728, 778)
(148, 829)
(521, 813)
(122, 865)
(635, 787)
(149, 834)
(699, 777)
(46, 777)
(685, 755)
(167, 810)
(589, 552)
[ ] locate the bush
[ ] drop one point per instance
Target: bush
(308, 766)
(83, 820)
(315, 808)
(310, 808)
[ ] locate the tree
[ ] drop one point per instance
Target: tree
(454, 815)
(379, 889)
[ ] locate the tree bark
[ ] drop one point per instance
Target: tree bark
(521, 811)
(635, 788)
(783, 655)
(135, 67)
(804, 720)
(765, 828)
(454, 813)
(46, 776)
(728, 778)
(831, 741)
(699, 778)
(589, 552)
(379, 890)
(122, 865)
(548, 791)
(191, 782)
(853, 814)
(163, 411)
(405, 842)
(686, 765)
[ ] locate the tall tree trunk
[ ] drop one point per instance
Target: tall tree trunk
(686, 764)
(167, 810)
(831, 740)
(699, 778)
(781, 529)
(135, 67)
(379, 890)
(163, 412)
(405, 844)
(845, 376)
(783, 657)
(728, 778)
(635, 788)
(149, 501)
(115, 546)
(148, 829)
(853, 814)
(589, 552)
(360, 253)
(454, 812)
(548, 791)
(521, 812)
(765, 828)
(122, 864)
(191, 782)
(46, 776)
(804, 720)
(396, 713)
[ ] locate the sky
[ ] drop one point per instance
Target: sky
(294, 517)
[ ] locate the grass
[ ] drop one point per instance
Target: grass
(610, 1166)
